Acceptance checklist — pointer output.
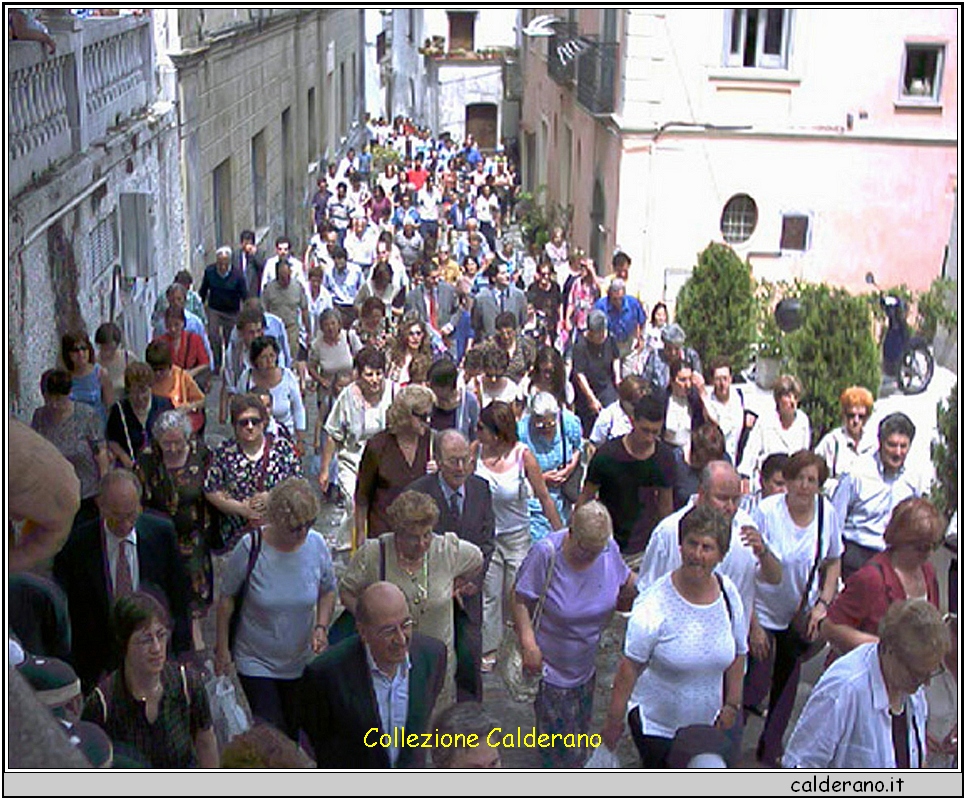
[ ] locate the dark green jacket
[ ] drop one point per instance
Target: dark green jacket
(339, 705)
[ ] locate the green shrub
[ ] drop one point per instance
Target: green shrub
(945, 455)
(833, 349)
(717, 307)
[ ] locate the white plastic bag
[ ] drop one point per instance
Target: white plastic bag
(602, 758)
(227, 716)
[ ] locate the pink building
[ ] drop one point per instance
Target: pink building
(820, 143)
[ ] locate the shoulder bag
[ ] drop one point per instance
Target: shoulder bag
(570, 488)
(798, 628)
(521, 685)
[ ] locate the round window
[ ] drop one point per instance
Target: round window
(739, 218)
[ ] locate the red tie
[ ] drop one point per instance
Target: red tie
(432, 309)
(123, 582)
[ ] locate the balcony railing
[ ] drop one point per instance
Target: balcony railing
(100, 75)
(597, 78)
(561, 66)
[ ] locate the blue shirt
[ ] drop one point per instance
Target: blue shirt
(343, 286)
(392, 699)
(549, 455)
(621, 324)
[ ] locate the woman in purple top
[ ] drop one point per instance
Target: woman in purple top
(589, 580)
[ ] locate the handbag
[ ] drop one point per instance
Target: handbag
(521, 685)
(798, 627)
(570, 488)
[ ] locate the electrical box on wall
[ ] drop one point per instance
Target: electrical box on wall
(137, 223)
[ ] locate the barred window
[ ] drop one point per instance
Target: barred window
(738, 219)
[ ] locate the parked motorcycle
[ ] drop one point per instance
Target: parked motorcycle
(907, 358)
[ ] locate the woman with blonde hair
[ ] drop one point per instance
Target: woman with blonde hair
(392, 459)
(430, 569)
(282, 576)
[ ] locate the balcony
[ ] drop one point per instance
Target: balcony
(561, 66)
(596, 78)
(59, 105)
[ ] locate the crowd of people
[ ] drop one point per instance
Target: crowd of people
(518, 450)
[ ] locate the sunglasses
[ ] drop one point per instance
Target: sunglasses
(249, 422)
(421, 416)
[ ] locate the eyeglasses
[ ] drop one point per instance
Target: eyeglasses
(544, 424)
(79, 348)
(249, 422)
(148, 638)
(405, 628)
(416, 332)
(860, 415)
(422, 416)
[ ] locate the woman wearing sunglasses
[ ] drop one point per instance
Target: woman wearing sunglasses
(392, 459)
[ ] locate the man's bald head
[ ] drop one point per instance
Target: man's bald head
(720, 487)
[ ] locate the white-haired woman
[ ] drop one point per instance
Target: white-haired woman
(393, 459)
(554, 437)
(173, 474)
(584, 579)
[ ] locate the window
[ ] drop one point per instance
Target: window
(739, 218)
(221, 192)
(757, 37)
(259, 179)
(922, 72)
(102, 242)
(796, 232)
(461, 24)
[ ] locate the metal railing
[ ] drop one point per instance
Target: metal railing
(100, 75)
(561, 67)
(597, 78)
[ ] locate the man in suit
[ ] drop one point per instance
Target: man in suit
(434, 301)
(465, 507)
(499, 297)
(120, 551)
(250, 263)
(359, 695)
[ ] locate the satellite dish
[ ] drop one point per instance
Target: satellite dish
(789, 314)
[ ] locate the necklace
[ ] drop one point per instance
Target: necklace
(421, 589)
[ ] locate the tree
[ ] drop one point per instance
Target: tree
(945, 455)
(717, 307)
(832, 350)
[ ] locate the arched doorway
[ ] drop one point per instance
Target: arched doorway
(481, 123)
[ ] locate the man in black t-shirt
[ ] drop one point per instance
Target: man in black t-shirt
(633, 477)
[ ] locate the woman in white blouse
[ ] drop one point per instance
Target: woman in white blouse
(684, 653)
(805, 534)
(788, 431)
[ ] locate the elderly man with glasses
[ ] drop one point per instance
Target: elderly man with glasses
(364, 698)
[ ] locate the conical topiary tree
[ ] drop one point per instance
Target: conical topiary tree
(833, 349)
(716, 307)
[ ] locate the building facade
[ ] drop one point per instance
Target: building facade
(820, 143)
(448, 69)
(266, 98)
(94, 191)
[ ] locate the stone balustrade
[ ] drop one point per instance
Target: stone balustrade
(101, 74)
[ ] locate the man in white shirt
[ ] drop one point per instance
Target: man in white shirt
(360, 242)
(283, 251)
(877, 483)
(748, 555)
(868, 711)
